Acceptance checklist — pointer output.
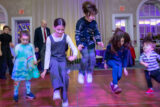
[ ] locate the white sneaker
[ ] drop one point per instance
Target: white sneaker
(56, 95)
(80, 78)
(65, 104)
(68, 71)
(89, 78)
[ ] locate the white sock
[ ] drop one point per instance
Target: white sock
(115, 86)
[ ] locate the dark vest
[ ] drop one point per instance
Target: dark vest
(58, 48)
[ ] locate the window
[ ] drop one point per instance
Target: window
(149, 21)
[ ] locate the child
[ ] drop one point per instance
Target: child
(86, 33)
(24, 52)
(55, 59)
(149, 59)
(116, 57)
(6, 58)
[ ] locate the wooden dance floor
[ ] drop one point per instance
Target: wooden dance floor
(97, 94)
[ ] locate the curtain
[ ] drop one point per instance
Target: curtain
(71, 11)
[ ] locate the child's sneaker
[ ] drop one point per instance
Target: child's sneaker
(89, 78)
(65, 104)
(56, 95)
(149, 91)
(30, 96)
(80, 78)
(15, 97)
(116, 89)
(68, 71)
(111, 85)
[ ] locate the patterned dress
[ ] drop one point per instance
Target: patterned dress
(23, 65)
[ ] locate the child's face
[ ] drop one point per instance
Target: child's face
(147, 48)
(24, 39)
(6, 30)
(122, 41)
(59, 30)
(90, 18)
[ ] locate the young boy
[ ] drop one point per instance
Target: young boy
(149, 60)
(86, 32)
(6, 58)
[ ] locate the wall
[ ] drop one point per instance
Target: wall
(13, 6)
(71, 11)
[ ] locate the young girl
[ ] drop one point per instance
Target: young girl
(23, 65)
(86, 33)
(116, 58)
(55, 59)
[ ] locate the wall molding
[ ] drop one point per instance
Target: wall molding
(14, 33)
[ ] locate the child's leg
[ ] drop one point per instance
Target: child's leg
(155, 75)
(84, 61)
(10, 65)
(55, 78)
(65, 80)
(115, 70)
(148, 79)
(3, 68)
(29, 94)
(91, 64)
(2, 71)
(28, 87)
(55, 74)
(116, 74)
(119, 71)
(92, 60)
(16, 86)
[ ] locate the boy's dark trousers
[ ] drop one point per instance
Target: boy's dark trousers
(155, 74)
(4, 63)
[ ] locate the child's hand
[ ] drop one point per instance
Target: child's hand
(125, 72)
(105, 66)
(38, 61)
(11, 45)
(35, 62)
(43, 74)
(145, 64)
(80, 47)
(100, 44)
(36, 49)
(71, 58)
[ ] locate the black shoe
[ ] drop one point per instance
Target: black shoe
(30, 96)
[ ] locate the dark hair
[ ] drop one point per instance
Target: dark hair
(127, 40)
(152, 44)
(24, 33)
(148, 38)
(115, 41)
(6, 27)
(59, 21)
(89, 8)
